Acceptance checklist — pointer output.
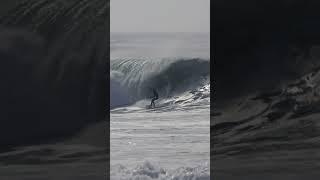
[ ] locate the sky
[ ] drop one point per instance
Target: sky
(160, 15)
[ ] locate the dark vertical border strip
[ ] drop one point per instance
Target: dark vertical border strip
(212, 61)
(108, 96)
(97, 108)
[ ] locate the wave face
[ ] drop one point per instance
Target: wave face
(168, 76)
(172, 63)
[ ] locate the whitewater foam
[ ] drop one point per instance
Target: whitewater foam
(196, 98)
(151, 171)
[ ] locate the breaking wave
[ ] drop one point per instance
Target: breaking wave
(132, 78)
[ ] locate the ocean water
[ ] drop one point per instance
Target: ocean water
(171, 141)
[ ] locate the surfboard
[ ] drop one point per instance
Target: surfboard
(156, 107)
(149, 107)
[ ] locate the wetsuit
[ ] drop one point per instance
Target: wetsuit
(155, 97)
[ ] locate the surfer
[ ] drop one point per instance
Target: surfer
(155, 97)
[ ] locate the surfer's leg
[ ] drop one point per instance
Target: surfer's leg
(152, 102)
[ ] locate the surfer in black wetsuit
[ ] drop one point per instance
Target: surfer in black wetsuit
(155, 97)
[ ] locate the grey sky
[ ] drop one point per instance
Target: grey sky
(160, 15)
